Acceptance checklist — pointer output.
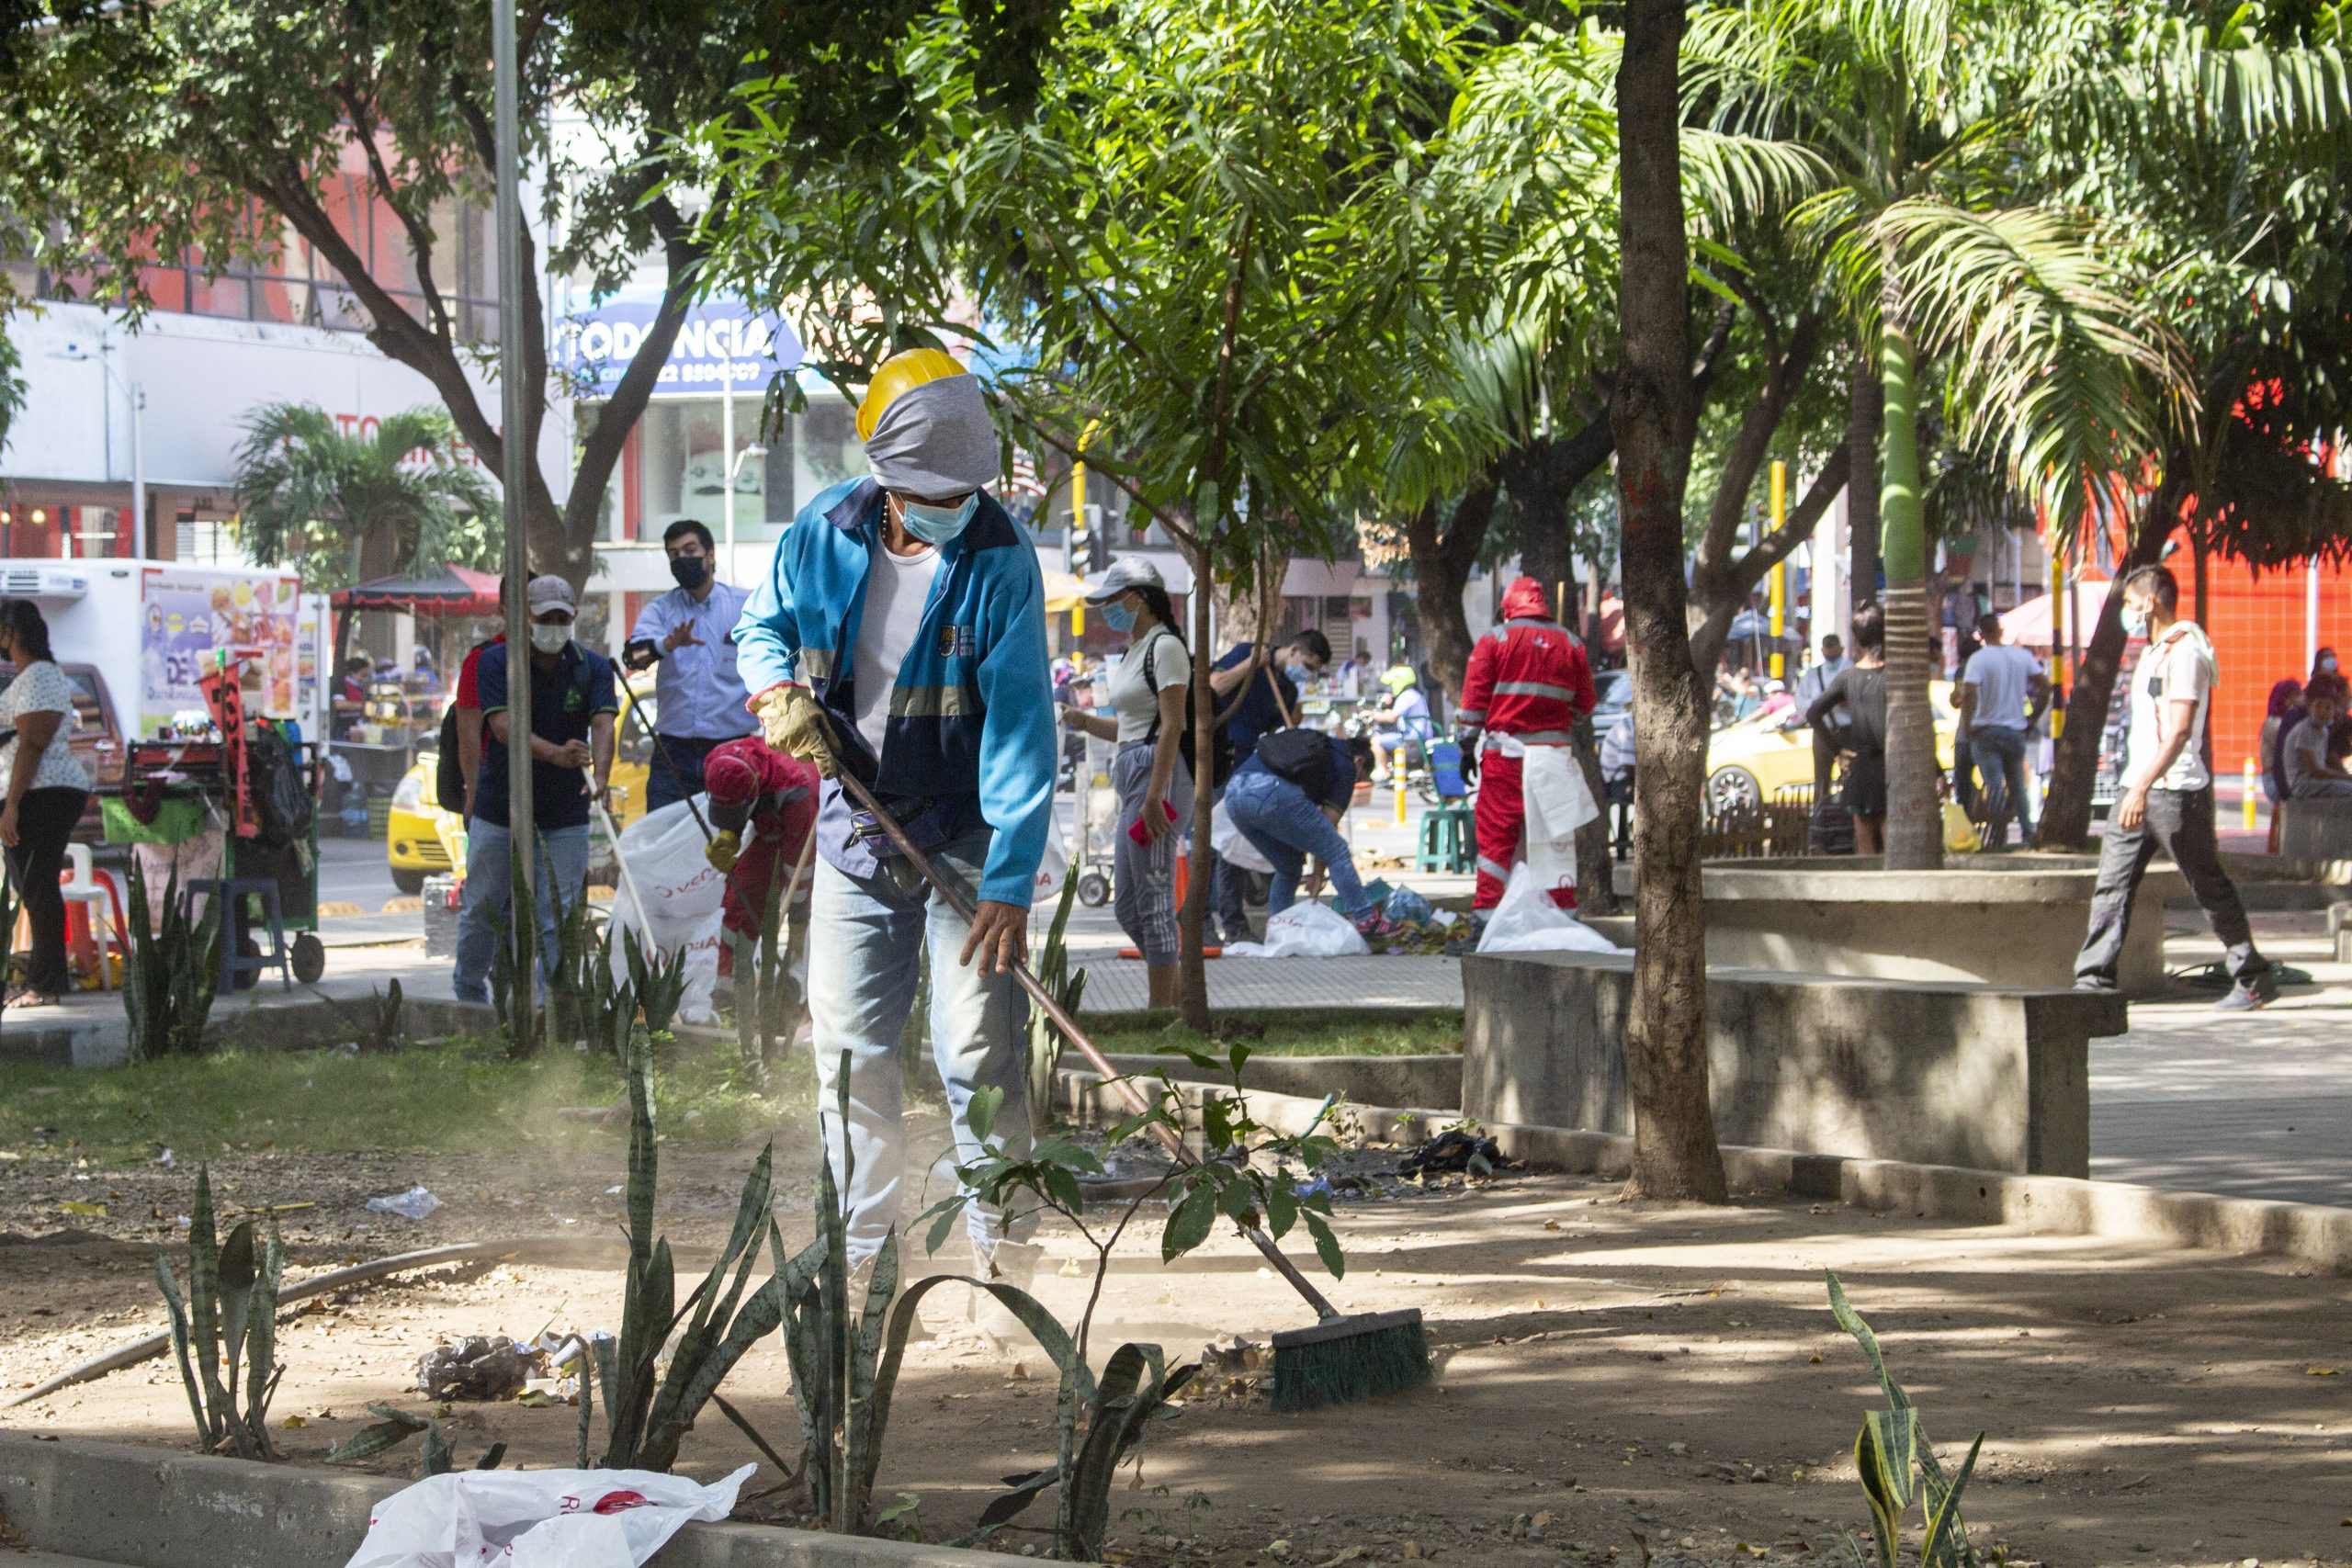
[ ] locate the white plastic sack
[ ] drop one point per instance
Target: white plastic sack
(1526, 921)
(1048, 886)
(1231, 844)
(538, 1519)
(1558, 802)
(684, 896)
(1303, 931)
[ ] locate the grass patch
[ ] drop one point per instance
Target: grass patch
(1290, 1032)
(458, 1097)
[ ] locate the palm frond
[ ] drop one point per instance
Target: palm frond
(2046, 365)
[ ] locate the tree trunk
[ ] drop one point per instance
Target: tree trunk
(1653, 415)
(1596, 868)
(1914, 839)
(2066, 808)
(1191, 921)
(1864, 418)
(1442, 563)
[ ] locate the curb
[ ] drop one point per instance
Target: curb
(2311, 1234)
(153, 1507)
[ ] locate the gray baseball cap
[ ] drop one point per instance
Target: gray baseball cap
(1127, 572)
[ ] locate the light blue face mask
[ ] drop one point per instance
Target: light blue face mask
(2135, 622)
(937, 524)
(1118, 618)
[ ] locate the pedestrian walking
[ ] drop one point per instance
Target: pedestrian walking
(2001, 692)
(46, 787)
(2167, 800)
(574, 703)
(1147, 689)
(1811, 683)
(900, 633)
(687, 637)
(1268, 702)
(1526, 686)
(1860, 736)
(1287, 800)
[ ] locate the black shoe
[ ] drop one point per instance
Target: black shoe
(2248, 995)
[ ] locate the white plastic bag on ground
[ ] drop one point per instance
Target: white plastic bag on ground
(1558, 802)
(1303, 931)
(1231, 844)
(1526, 921)
(538, 1519)
(683, 896)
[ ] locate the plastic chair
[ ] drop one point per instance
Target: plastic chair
(81, 884)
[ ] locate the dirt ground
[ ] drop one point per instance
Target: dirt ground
(1617, 1383)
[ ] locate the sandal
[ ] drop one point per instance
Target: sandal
(24, 996)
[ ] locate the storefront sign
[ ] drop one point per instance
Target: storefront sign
(719, 342)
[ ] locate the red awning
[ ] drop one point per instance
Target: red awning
(441, 591)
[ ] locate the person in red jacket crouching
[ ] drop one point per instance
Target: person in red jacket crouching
(1527, 684)
(776, 796)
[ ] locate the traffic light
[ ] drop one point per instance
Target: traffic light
(1085, 551)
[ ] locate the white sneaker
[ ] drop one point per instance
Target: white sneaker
(1015, 1264)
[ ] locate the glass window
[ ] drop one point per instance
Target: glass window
(682, 471)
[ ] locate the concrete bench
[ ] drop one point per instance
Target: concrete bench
(1934, 1074)
(2315, 830)
(1998, 920)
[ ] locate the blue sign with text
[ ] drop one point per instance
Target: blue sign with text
(720, 343)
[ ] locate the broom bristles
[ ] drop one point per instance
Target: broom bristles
(1349, 1359)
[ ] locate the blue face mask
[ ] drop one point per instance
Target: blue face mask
(1118, 618)
(2135, 622)
(937, 524)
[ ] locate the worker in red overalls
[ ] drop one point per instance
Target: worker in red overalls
(776, 796)
(1527, 684)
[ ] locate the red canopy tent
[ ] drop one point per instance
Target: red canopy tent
(442, 591)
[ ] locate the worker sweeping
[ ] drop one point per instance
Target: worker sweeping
(754, 789)
(1527, 684)
(900, 635)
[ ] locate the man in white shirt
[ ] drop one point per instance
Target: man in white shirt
(2167, 800)
(689, 634)
(2003, 688)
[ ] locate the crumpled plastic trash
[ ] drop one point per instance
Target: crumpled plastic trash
(414, 1204)
(538, 1519)
(1406, 907)
(478, 1367)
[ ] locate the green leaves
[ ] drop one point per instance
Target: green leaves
(1891, 1446)
(314, 496)
(228, 1314)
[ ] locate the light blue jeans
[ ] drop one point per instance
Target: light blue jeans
(2000, 758)
(866, 934)
(1276, 815)
(489, 902)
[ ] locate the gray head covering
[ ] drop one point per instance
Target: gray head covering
(935, 440)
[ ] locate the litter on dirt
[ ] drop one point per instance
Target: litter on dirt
(480, 1367)
(415, 1203)
(1454, 1150)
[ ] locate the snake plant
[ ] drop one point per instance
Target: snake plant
(228, 1318)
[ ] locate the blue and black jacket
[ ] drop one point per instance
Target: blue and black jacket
(970, 738)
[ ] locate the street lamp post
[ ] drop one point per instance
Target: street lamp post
(515, 444)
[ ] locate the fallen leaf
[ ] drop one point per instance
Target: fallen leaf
(1411, 1551)
(1551, 1224)
(2322, 1372)
(532, 1399)
(293, 1423)
(1352, 1553)
(75, 1206)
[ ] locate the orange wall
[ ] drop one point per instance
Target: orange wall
(2256, 624)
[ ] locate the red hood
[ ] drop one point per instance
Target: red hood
(1525, 600)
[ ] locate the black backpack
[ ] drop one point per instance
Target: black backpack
(1221, 744)
(448, 778)
(1301, 756)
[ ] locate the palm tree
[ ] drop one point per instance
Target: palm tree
(342, 506)
(1939, 246)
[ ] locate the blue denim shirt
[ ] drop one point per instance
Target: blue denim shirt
(698, 693)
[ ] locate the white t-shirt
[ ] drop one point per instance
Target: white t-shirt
(2178, 668)
(1137, 701)
(42, 687)
(2000, 673)
(897, 589)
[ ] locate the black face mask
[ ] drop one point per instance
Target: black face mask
(690, 570)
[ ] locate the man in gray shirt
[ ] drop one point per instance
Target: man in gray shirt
(2003, 687)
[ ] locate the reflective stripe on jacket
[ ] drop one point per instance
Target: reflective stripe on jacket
(1529, 677)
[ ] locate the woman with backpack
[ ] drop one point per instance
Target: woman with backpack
(1861, 687)
(1148, 688)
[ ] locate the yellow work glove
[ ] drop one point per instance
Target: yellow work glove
(725, 847)
(794, 724)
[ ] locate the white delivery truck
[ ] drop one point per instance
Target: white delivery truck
(146, 628)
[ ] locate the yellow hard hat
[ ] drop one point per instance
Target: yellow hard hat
(898, 374)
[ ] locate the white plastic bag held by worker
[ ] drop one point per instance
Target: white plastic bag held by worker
(683, 895)
(1558, 803)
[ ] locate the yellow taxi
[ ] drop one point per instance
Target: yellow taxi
(414, 844)
(1752, 760)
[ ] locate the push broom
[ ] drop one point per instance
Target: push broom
(1343, 1356)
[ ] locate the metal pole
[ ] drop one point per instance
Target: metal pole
(727, 444)
(515, 471)
(138, 471)
(1780, 567)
